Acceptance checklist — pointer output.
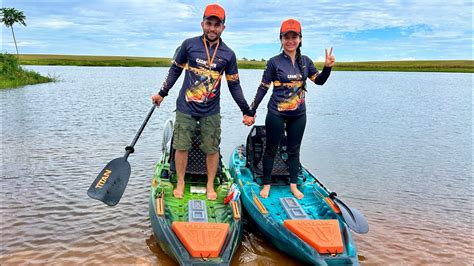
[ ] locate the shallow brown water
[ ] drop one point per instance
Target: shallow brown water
(399, 150)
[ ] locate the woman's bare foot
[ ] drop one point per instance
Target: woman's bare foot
(211, 194)
(179, 191)
(265, 191)
(296, 192)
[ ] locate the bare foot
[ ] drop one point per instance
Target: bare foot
(265, 191)
(211, 194)
(179, 191)
(296, 192)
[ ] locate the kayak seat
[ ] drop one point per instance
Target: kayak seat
(196, 167)
(256, 142)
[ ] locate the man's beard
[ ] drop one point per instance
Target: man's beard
(209, 39)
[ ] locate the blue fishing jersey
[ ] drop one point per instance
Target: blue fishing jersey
(200, 93)
(289, 84)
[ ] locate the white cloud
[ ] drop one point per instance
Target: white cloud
(443, 30)
(23, 43)
(54, 24)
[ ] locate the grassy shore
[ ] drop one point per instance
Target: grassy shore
(466, 66)
(12, 75)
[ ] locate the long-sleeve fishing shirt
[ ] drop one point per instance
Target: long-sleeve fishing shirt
(289, 84)
(200, 93)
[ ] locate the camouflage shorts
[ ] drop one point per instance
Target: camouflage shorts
(184, 128)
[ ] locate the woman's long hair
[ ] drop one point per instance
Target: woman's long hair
(298, 59)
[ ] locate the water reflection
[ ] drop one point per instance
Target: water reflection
(395, 145)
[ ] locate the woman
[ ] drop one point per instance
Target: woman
(286, 109)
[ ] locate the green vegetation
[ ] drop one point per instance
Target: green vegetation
(10, 16)
(465, 66)
(12, 75)
(246, 64)
(79, 60)
(410, 66)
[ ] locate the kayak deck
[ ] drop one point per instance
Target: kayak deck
(189, 242)
(313, 205)
(177, 209)
(309, 230)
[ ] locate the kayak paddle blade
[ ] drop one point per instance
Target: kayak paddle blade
(354, 219)
(110, 184)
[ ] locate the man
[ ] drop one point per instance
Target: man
(205, 58)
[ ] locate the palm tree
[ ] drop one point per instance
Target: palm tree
(11, 16)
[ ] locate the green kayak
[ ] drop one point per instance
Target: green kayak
(193, 230)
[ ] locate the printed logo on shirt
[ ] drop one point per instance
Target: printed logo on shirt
(204, 63)
(295, 77)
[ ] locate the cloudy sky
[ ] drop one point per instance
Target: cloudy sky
(358, 30)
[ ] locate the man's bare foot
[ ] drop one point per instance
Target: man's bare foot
(265, 191)
(296, 192)
(179, 191)
(211, 194)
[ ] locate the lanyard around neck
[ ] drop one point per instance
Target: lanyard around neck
(209, 59)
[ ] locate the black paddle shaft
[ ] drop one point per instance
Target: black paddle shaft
(130, 149)
(110, 184)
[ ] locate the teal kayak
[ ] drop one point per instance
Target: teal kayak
(312, 229)
(193, 230)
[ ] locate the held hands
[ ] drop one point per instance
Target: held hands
(156, 99)
(330, 59)
(248, 120)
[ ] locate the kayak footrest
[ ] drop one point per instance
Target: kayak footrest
(160, 206)
(235, 210)
(197, 211)
(260, 205)
(293, 209)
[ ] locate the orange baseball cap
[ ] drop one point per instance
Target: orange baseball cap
(214, 10)
(290, 25)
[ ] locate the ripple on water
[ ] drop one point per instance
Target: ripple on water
(388, 149)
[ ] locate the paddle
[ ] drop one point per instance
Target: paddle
(354, 219)
(110, 184)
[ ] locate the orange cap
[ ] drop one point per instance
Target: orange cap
(214, 10)
(290, 25)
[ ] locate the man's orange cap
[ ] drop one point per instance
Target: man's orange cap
(214, 10)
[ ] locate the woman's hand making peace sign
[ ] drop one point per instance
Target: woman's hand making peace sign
(330, 59)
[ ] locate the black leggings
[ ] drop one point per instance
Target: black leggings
(275, 125)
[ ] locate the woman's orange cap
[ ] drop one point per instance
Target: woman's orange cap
(290, 25)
